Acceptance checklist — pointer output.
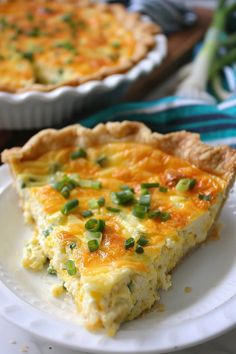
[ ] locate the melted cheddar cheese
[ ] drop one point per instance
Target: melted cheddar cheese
(114, 269)
(51, 42)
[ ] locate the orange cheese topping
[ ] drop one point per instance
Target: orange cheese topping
(132, 164)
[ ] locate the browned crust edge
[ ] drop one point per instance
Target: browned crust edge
(219, 160)
(144, 33)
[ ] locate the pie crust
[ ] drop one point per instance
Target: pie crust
(219, 160)
(144, 34)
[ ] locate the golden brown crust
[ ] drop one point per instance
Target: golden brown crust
(220, 160)
(144, 33)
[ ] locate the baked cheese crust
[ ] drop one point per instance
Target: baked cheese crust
(115, 209)
(46, 44)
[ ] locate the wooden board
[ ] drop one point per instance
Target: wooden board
(180, 46)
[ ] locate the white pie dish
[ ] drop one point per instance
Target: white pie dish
(210, 308)
(35, 110)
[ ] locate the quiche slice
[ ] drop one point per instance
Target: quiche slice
(115, 209)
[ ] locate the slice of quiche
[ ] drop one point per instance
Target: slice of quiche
(115, 209)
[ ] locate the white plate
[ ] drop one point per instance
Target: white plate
(207, 311)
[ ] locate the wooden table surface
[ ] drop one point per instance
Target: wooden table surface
(180, 47)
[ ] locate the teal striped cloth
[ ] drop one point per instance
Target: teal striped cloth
(215, 124)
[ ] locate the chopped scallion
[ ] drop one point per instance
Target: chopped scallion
(65, 192)
(113, 210)
(129, 243)
(91, 235)
(72, 245)
(93, 245)
(80, 153)
(153, 214)
(70, 267)
(123, 197)
(101, 161)
(51, 270)
(95, 225)
(93, 204)
(185, 184)
(87, 213)
(164, 216)
(163, 189)
(101, 201)
(150, 185)
(54, 167)
(145, 191)
(87, 183)
(116, 44)
(139, 211)
(47, 232)
(125, 187)
(139, 249)
(145, 200)
(69, 206)
(206, 197)
(142, 241)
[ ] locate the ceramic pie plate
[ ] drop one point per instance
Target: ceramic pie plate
(188, 318)
(34, 110)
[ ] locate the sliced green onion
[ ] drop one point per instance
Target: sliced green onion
(87, 213)
(23, 184)
(129, 243)
(87, 183)
(142, 241)
(70, 267)
(96, 203)
(32, 179)
(153, 214)
(116, 44)
(51, 270)
(113, 210)
(93, 204)
(69, 206)
(206, 197)
(80, 153)
(163, 189)
(101, 201)
(164, 216)
(72, 245)
(145, 200)
(125, 187)
(139, 249)
(54, 167)
(124, 197)
(34, 32)
(145, 191)
(65, 192)
(185, 184)
(28, 56)
(94, 235)
(150, 185)
(102, 161)
(95, 225)
(93, 245)
(47, 232)
(140, 211)
(64, 186)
